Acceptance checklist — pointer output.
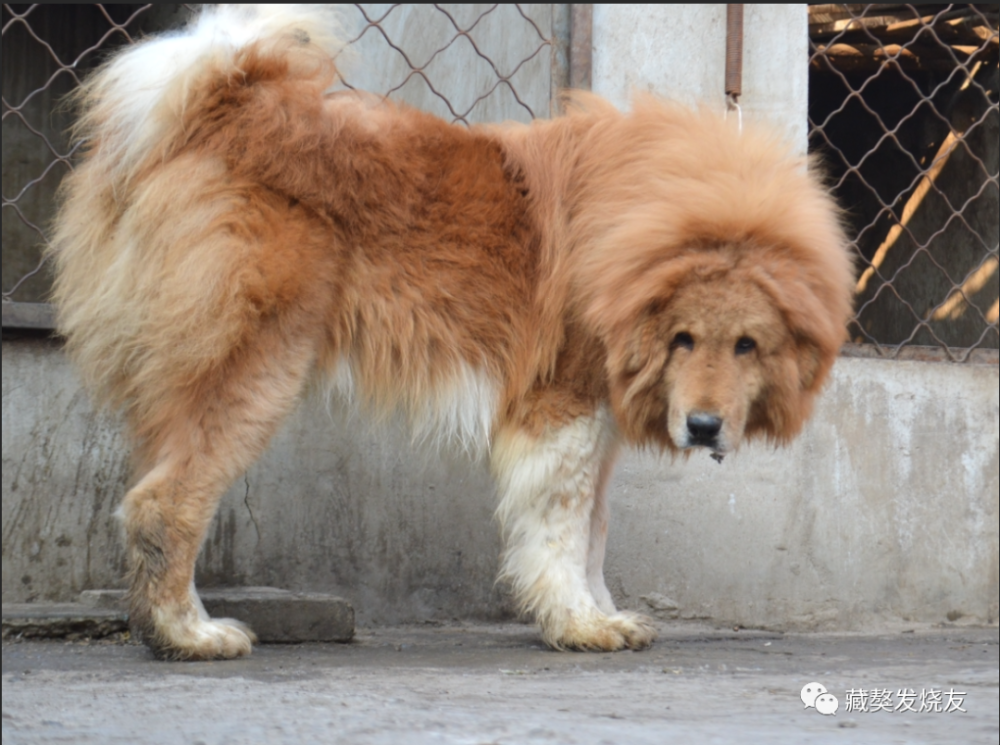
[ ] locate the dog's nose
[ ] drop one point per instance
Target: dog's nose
(703, 428)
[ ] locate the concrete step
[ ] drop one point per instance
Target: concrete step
(276, 616)
(61, 621)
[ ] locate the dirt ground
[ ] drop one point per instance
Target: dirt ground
(479, 684)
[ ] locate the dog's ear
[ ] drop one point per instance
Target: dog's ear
(817, 330)
(626, 309)
(644, 356)
(637, 356)
(795, 377)
(812, 362)
(818, 337)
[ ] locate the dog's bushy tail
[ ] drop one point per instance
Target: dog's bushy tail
(139, 208)
(140, 102)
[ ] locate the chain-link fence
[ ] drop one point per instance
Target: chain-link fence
(466, 63)
(903, 111)
(47, 50)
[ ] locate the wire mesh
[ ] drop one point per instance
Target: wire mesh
(46, 52)
(466, 63)
(903, 111)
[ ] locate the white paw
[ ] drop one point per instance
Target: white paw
(599, 632)
(188, 637)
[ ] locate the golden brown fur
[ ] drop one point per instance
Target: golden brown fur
(244, 232)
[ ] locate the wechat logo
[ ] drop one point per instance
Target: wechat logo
(815, 696)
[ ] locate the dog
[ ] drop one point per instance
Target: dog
(539, 293)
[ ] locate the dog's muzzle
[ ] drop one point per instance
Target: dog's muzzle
(703, 429)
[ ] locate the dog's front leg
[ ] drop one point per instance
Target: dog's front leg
(555, 519)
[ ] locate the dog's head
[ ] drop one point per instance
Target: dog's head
(713, 266)
(723, 349)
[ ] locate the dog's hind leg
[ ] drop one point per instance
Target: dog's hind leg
(555, 519)
(199, 441)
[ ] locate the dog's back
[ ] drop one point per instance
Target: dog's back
(225, 194)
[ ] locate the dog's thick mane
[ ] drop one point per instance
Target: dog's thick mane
(663, 179)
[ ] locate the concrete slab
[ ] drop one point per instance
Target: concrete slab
(61, 621)
(280, 616)
(497, 684)
(276, 616)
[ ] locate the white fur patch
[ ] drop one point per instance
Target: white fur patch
(459, 412)
(341, 382)
(567, 459)
(549, 487)
(242, 25)
(599, 518)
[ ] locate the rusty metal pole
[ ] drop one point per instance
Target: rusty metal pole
(581, 45)
(734, 54)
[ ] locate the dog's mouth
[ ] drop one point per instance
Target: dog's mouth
(717, 456)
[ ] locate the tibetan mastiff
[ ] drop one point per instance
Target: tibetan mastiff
(540, 293)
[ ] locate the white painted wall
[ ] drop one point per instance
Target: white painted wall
(679, 52)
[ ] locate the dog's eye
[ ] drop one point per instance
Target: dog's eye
(745, 344)
(683, 340)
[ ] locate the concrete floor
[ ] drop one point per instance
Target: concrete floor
(497, 684)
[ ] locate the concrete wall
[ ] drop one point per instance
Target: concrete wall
(885, 510)
(679, 52)
(333, 505)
